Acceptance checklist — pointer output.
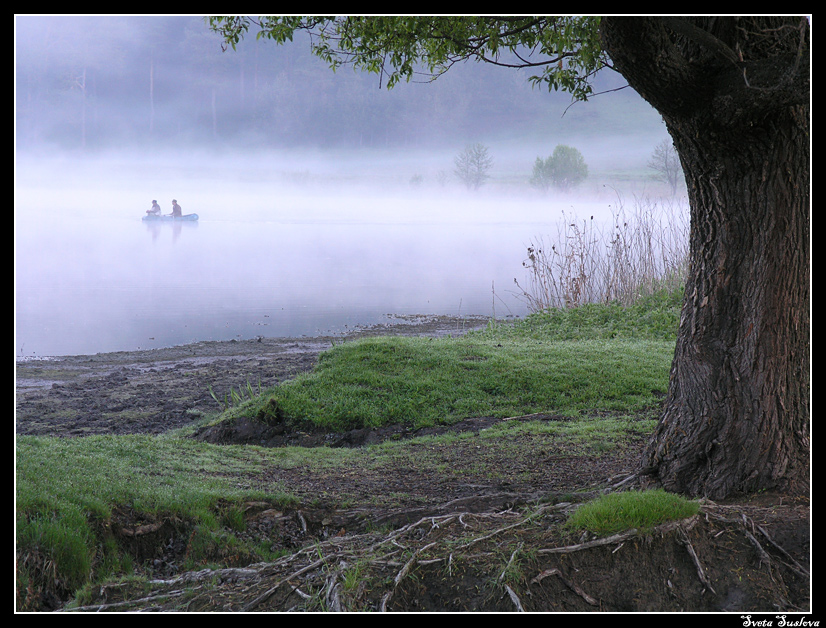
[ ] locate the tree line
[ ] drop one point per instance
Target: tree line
(563, 170)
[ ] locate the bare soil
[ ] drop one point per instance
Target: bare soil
(411, 541)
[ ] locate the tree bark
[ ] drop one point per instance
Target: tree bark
(734, 94)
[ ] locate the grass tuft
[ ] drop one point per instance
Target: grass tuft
(633, 509)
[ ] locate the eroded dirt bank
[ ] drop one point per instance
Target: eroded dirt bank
(416, 539)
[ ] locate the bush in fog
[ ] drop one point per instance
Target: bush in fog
(473, 165)
(541, 176)
(666, 164)
(565, 169)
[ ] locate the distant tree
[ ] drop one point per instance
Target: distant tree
(665, 162)
(473, 165)
(565, 169)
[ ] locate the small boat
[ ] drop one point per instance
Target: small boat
(156, 218)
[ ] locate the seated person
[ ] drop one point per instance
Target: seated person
(155, 209)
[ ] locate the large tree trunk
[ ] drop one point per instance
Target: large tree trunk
(736, 417)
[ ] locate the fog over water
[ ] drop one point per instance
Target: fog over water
(293, 239)
(265, 258)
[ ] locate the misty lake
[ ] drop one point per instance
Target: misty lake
(265, 259)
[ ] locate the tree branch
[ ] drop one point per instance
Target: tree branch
(703, 38)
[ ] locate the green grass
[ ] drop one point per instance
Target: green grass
(604, 357)
(651, 317)
(420, 382)
(151, 474)
(633, 509)
(68, 488)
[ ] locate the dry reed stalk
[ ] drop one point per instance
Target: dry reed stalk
(589, 262)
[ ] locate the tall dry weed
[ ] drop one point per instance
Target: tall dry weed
(637, 253)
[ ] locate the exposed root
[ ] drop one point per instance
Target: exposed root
(418, 566)
(573, 587)
(399, 576)
(700, 573)
(515, 599)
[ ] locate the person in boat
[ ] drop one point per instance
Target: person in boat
(176, 209)
(155, 210)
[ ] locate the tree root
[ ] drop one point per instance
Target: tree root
(571, 585)
(700, 573)
(399, 576)
(317, 575)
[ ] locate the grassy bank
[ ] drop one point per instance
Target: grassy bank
(69, 491)
(579, 362)
(594, 357)
(419, 382)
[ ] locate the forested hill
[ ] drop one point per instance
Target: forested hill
(103, 82)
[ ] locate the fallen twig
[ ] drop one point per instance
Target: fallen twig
(332, 599)
(525, 416)
(228, 574)
(494, 533)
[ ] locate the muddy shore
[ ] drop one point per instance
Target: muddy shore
(157, 390)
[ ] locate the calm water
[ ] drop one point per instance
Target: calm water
(94, 280)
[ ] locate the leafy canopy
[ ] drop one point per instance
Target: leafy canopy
(564, 50)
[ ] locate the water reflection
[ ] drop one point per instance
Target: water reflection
(159, 227)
